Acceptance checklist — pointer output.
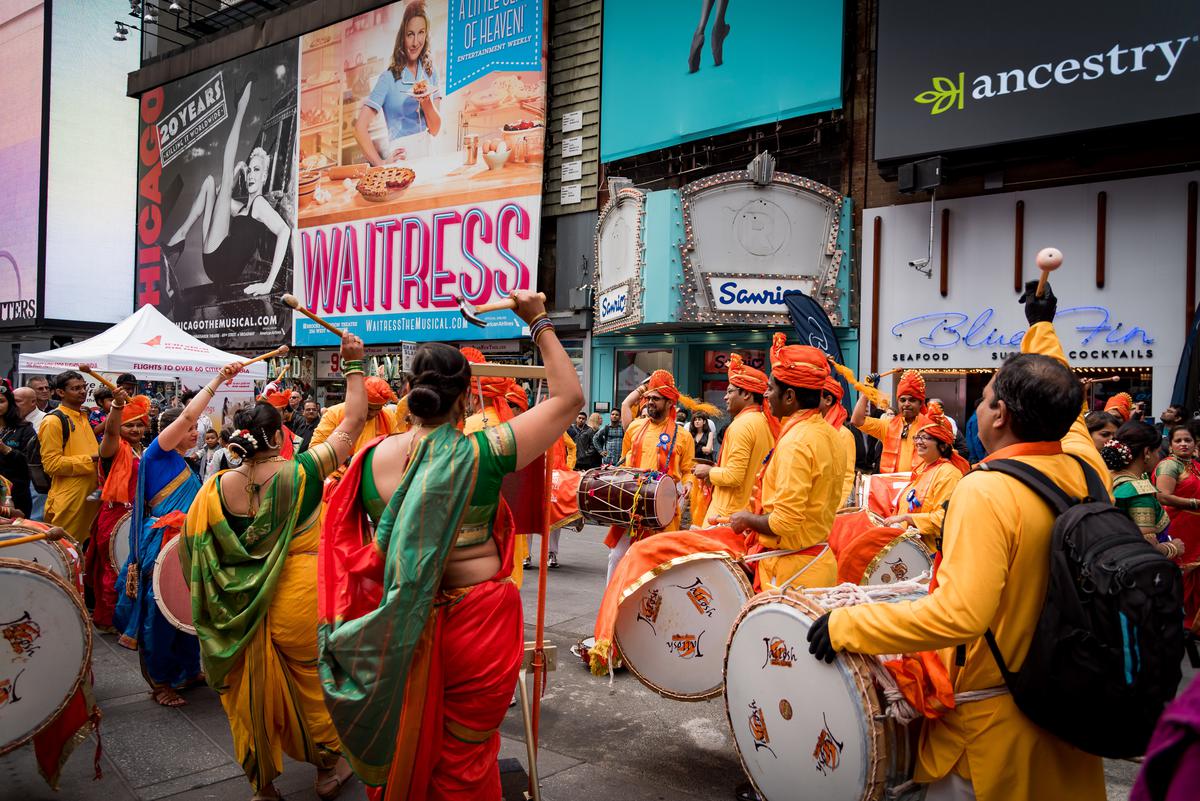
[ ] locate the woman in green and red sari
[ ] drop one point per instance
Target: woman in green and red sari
(421, 632)
(250, 552)
(1177, 478)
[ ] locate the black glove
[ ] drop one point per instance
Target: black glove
(1038, 310)
(818, 640)
(873, 379)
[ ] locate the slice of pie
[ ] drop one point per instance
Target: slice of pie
(381, 183)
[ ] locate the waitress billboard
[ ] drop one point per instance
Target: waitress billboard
(422, 136)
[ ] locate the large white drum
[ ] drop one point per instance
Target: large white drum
(672, 627)
(805, 729)
(119, 544)
(45, 649)
(903, 559)
(58, 557)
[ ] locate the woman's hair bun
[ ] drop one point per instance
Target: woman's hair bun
(254, 429)
(441, 374)
(1116, 455)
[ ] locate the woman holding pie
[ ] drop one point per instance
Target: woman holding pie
(405, 94)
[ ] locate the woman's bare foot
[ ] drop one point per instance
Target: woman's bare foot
(165, 696)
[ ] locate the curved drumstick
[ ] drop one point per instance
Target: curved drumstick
(280, 351)
(83, 368)
(294, 302)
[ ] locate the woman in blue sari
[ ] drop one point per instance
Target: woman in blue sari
(166, 487)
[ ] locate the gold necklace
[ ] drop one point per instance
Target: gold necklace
(252, 489)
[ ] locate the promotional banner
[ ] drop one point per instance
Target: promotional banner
(422, 137)
(955, 75)
(676, 70)
(22, 31)
(216, 199)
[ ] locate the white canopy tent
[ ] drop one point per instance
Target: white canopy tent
(146, 344)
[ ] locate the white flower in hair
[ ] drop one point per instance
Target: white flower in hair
(246, 435)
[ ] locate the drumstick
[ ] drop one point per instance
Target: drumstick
(83, 368)
(294, 302)
(22, 540)
(282, 373)
(720, 521)
(280, 351)
(1048, 260)
(893, 371)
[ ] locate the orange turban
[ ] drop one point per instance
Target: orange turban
(494, 388)
(663, 383)
(911, 384)
(837, 414)
(136, 408)
(516, 396)
(800, 366)
(939, 428)
(278, 399)
(379, 392)
(743, 376)
(1120, 404)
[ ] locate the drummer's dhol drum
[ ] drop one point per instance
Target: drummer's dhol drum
(805, 729)
(119, 544)
(624, 497)
(45, 649)
(671, 629)
(879, 493)
(172, 593)
(59, 556)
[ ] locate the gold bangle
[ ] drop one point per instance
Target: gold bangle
(209, 390)
(120, 405)
(540, 316)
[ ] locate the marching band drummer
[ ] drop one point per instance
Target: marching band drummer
(656, 441)
(936, 473)
(896, 434)
(801, 488)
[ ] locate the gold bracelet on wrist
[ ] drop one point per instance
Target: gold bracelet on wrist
(540, 316)
(208, 388)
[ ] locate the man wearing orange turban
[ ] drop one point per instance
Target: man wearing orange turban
(800, 489)
(120, 449)
(835, 414)
(383, 416)
(1120, 405)
(281, 400)
(898, 433)
(748, 440)
(654, 442)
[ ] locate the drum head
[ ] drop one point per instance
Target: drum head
(803, 728)
(666, 500)
(172, 592)
(672, 627)
(905, 558)
(45, 553)
(119, 544)
(45, 649)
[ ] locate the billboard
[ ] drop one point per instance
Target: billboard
(671, 75)
(216, 199)
(422, 137)
(993, 77)
(22, 30)
(90, 201)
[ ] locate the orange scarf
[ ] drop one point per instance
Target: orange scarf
(756, 493)
(120, 483)
(668, 457)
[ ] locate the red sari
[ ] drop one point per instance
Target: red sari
(1185, 526)
(116, 502)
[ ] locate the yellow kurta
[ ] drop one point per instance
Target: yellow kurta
(877, 427)
(933, 489)
(801, 493)
(846, 438)
(682, 460)
(386, 422)
(993, 573)
(73, 473)
(747, 442)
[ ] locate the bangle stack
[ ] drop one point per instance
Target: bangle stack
(352, 367)
(209, 390)
(540, 325)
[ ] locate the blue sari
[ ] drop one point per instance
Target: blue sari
(169, 656)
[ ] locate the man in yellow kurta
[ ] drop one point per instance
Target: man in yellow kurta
(993, 574)
(801, 488)
(898, 433)
(835, 414)
(748, 440)
(655, 442)
(380, 419)
(71, 465)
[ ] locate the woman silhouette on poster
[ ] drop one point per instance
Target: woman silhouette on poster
(232, 228)
(720, 31)
(405, 93)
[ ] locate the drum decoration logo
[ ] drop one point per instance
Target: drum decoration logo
(686, 646)
(758, 729)
(649, 608)
(899, 570)
(22, 635)
(785, 709)
(828, 751)
(779, 653)
(701, 597)
(8, 690)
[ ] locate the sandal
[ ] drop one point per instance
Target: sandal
(165, 696)
(329, 788)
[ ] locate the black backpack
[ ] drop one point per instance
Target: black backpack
(33, 454)
(1106, 654)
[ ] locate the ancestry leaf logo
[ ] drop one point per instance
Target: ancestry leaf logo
(1158, 57)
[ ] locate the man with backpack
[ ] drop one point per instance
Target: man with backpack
(1003, 596)
(69, 454)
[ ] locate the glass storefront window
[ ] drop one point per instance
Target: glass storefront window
(635, 366)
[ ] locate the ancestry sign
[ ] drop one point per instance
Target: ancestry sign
(955, 75)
